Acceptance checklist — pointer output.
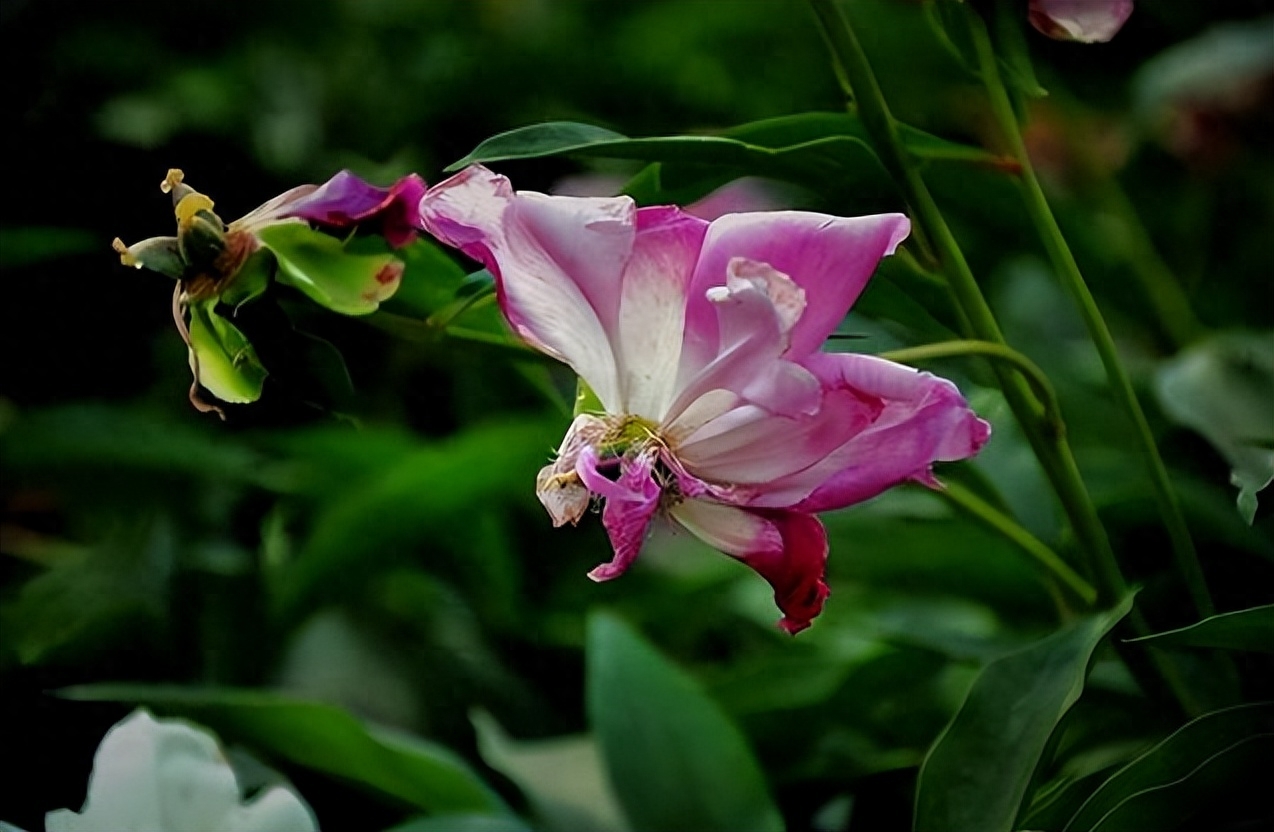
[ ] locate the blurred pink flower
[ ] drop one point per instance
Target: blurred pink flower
(1087, 21)
(700, 342)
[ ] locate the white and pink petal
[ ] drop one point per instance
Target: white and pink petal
(787, 548)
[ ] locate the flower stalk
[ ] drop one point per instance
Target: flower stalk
(1067, 269)
(1053, 452)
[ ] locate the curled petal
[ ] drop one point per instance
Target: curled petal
(787, 548)
(830, 258)
(922, 419)
(558, 487)
(1086, 21)
(631, 501)
(346, 200)
(754, 312)
(558, 263)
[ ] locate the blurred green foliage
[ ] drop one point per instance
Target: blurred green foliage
(351, 578)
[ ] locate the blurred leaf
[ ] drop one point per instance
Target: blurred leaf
(27, 245)
(1162, 787)
(330, 273)
(1012, 50)
(563, 777)
(1223, 387)
(977, 773)
(414, 495)
(76, 438)
(227, 363)
(463, 823)
(1250, 629)
(88, 595)
(676, 761)
(321, 737)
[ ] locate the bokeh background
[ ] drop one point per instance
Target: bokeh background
(374, 542)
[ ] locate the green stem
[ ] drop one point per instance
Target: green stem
(1007, 527)
(1068, 270)
(1034, 376)
(1052, 451)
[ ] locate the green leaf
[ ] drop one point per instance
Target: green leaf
(414, 495)
(976, 776)
(331, 273)
(1161, 786)
(430, 281)
(1222, 387)
(676, 761)
(222, 358)
(563, 777)
(1250, 629)
(322, 737)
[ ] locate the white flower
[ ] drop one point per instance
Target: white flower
(152, 775)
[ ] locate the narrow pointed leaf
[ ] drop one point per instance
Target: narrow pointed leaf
(1164, 784)
(976, 776)
(676, 761)
(322, 737)
(1250, 629)
(329, 272)
(223, 358)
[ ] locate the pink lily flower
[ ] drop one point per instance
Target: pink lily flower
(700, 341)
(1086, 21)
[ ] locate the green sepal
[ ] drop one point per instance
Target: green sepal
(347, 279)
(222, 358)
(586, 400)
(251, 281)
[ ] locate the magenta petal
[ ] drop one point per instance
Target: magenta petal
(1086, 21)
(831, 258)
(923, 419)
(346, 200)
(787, 548)
(631, 502)
(557, 261)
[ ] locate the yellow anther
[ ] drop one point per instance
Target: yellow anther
(172, 180)
(125, 256)
(191, 204)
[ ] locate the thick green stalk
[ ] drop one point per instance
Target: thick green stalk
(1052, 451)
(1067, 269)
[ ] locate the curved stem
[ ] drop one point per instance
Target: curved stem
(1068, 271)
(1052, 451)
(1034, 376)
(1011, 530)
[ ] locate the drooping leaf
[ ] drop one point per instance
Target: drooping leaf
(332, 274)
(563, 777)
(676, 761)
(322, 737)
(222, 358)
(976, 776)
(1222, 387)
(1250, 629)
(1164, 784)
